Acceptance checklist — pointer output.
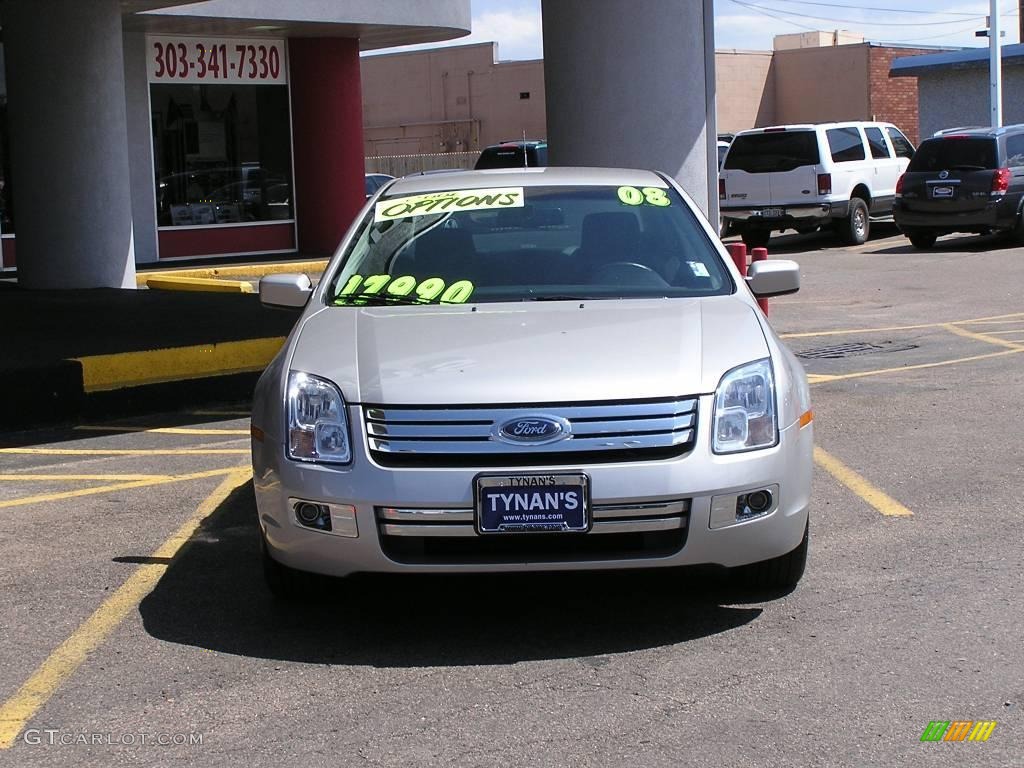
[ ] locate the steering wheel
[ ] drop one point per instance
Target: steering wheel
(628, 271)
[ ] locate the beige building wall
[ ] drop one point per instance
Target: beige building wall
(461, 98)
(816, 39)
(451, 99)
(745, 85)
(820, 85)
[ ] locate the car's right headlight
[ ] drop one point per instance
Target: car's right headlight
(317, 421)
(745, 409)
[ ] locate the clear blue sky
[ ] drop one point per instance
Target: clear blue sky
(516, 24)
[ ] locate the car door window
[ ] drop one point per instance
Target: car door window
(1015, 150)
(899, 142)
(846, 144)
(876, 142)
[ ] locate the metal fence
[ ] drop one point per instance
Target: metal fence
(401, 165)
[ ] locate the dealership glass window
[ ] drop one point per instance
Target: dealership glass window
(222, 153)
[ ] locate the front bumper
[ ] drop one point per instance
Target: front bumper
(692, 480)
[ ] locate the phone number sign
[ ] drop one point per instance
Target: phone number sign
(216, 60)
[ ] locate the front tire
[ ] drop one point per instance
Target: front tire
(856, 227)
(757, 238)
(923, 241)
(778, 574)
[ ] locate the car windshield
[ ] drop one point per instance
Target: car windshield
(955, 153)
(772, 152)
(529, 244)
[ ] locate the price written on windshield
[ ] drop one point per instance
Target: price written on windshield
(216, 60)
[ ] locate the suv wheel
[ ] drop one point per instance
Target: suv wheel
(922, 240)
(855, 228)
(779, 573)
(757, 238)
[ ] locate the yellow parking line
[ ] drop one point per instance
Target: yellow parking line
(161, 430)
(127, 451)
(70, 654)
(44, 497)
(63, 478)
(982, 337)
(1016, 319)
(824, 379)
(818, 378)
(848, 331)
(876, 497)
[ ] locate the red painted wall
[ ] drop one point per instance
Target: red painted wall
(327, 136)
(177, 243)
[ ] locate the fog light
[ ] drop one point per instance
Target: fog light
(313, 515)
(753, 504)
(335, 519)
(737, 508)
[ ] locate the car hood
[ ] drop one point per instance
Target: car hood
(529, 352)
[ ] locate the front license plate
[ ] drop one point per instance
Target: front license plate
(773, 213)
(532, 503)
(941, 192)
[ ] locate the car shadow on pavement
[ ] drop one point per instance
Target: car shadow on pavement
(213, 597)
(956, 243)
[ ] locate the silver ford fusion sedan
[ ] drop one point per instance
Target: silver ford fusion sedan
(532, 369)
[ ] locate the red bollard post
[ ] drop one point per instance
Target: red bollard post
(760, 254)
(738, 251)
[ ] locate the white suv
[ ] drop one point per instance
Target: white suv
(804, 177)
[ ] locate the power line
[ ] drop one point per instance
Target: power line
(859, 22)
(883, 10)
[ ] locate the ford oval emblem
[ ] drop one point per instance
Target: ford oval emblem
(533, 430)
(943, 174)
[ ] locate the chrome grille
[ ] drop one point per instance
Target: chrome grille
(637, 517)
(620, 531)
(665, 427)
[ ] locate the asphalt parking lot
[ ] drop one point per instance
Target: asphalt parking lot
(137, 629)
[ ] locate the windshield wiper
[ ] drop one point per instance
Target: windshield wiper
(376, 300)
(559, 298)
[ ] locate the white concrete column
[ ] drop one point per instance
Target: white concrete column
(69, 157)
(630, 83)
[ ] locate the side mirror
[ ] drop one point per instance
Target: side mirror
(774, 277)
(285, 290)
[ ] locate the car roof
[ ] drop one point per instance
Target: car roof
(812, 126)
(524, 177)
(979, 131)
(518, 143)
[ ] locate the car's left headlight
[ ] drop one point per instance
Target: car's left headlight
(745, 416)
(317, 421)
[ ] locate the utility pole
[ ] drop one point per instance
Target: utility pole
(995, 64)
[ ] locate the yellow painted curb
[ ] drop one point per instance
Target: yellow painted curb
(238, 270)
(132, 369)
(175, 283)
